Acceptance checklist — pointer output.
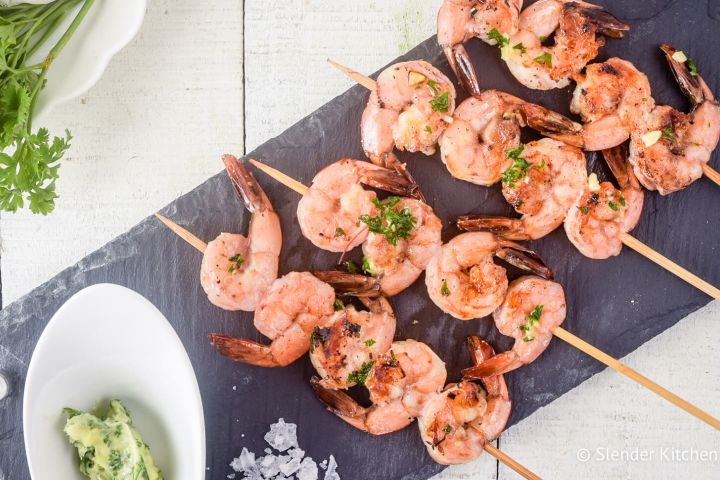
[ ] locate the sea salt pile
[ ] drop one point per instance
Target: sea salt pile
(289, 464)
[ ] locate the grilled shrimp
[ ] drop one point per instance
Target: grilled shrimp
(408, 109)
(400, 382)
(541, 184)
(463, 280)
(328, 212)
(287, 315)
(532, 310)
(488, 125)
(576, 26)
(456, 424)
(237, 271)
(612, 98)
(397, 265)
(669, 152)
(602, 212)
(342, 348)
(460, 20)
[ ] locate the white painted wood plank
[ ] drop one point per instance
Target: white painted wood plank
(287, 78)
(150, 130)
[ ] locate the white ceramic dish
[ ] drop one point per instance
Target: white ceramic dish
(107, 28)
(109, 342)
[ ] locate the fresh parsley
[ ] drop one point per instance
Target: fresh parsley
(447, 428)
(444, 290)
(236, 262)
(366, 266)
(338, 305)
(613, 206)
(352, 267)
(521, 48)
(544, 59)
(316, 339)
(390, 222)
(370, 342)
(358, 377)
(518, 169)
(583, 210)
(622, 201)
(668, 134)
(30, 159)
(339, 232)
(532, 319)
(440, 102)
(428, 128)
(501, 39)
(692, 66)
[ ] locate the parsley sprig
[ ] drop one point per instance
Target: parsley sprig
(518, 169)
(358, 377)
(532, 318)
(390, 222)
(29, 159)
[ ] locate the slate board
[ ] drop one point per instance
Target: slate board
(616, 304)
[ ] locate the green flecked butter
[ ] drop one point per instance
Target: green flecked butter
(110, 448)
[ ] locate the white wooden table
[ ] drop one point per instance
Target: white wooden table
(204, 78)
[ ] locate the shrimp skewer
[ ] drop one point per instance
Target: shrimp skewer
(597, 228)
(532, 313)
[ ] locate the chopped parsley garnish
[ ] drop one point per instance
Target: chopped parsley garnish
(622, 201)
(501, 39)
(520, 47)
(390, 222)
(518, 169)
(667, 134)
(542, 38)
(359, 377)
(541, 165)
(447, 429)
(544, 59)
(444, 290)
(316, 339)
(613, 206)
(370, 342)
(433, 86)
(692, 66)
(352, 267)
(532, 319)
(235, 262)
(439, 103)
(338, 305)
(366, 266)
(339, 232)
(583, 210)
(428, 128)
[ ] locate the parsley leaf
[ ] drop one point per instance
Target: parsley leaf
(692, 66)
(366, 267)
(447, 428)
(351, 266)
(544, 59)
(390, 222)
(667, 134)
(520, 47)
(358, 377)
(339, 232)
(622, 201)
(613, 206)
(501, 39)
(439, 103)
(30, 159)
(236, 262)
(370, 342)
(532, 319)
(518, 169)
(444, 290)
(338, 305)
(583, 210)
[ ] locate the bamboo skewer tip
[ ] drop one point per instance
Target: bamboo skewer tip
(366, 82)
(289, 182)
(182, 233)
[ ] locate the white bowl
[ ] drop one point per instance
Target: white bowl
(109, 342)
(108, 26)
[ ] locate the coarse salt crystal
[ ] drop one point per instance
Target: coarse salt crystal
(331, 473)
(282, 436)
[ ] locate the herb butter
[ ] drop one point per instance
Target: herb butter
(110, 448)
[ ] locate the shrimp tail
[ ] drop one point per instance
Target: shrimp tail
(691, 85)
(552, 124)
(479, 349)
(242, 350)
(341, 404)
(617, 160)
(524, 258)
(391, 181)
(463, 68)
(391, 161)
(353, 284)
(246, 186)
(504, 227)
(606, 23)
(492, 367)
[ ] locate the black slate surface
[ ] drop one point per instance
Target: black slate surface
(615, 304)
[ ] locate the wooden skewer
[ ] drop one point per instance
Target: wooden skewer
(182, 233)
(632, 374)
(669, 265)
(281, 177)
(713, 175)
(510, 462)
(628, 240)
(366, 82)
